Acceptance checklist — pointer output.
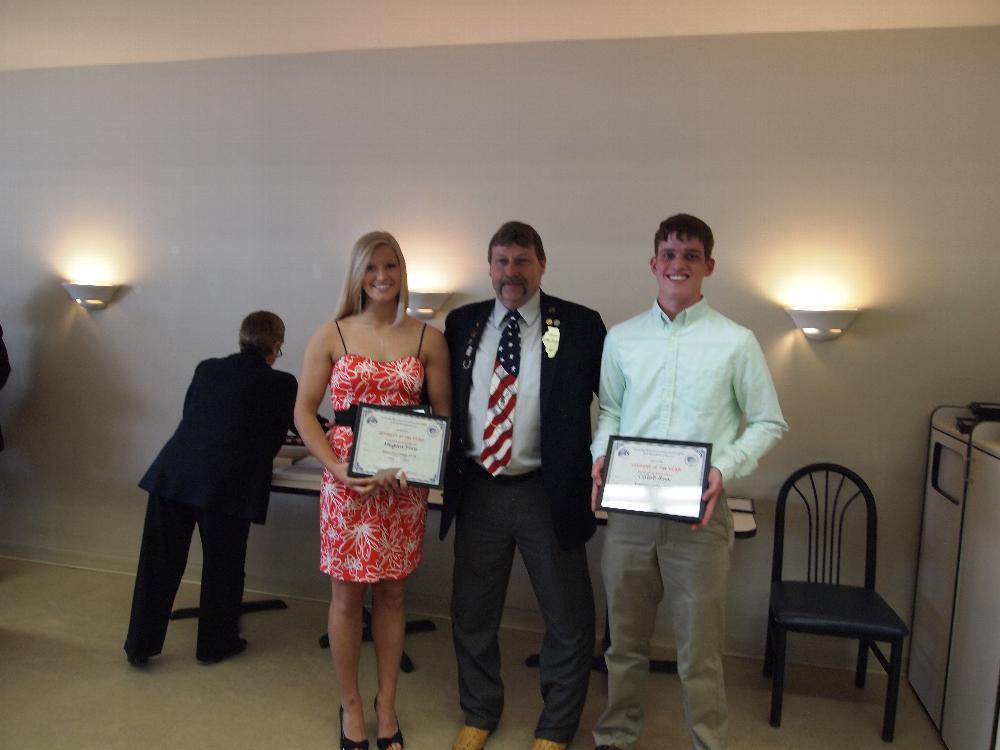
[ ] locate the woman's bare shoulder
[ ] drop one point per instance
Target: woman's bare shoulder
(327, 337)
(433, 335)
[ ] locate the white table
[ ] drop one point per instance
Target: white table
(297, 472)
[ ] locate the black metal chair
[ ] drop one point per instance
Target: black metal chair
(832, 499)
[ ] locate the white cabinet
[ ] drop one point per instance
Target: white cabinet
(940, 536)
(971, 693)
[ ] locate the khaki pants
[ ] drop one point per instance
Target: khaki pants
(643, 558)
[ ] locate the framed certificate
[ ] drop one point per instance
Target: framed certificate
(663, 478)
(406, 438)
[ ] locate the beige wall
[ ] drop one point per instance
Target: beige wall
(866, 160)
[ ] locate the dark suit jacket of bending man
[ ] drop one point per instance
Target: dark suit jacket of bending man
(569, 381)
(236, 413)
(4, 371)
(215, 471)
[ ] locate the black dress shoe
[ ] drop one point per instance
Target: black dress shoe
(345, 742)
(384, 743)
(239, 648)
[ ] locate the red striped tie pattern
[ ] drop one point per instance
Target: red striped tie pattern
(498, 435)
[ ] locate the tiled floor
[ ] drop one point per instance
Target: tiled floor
(64, 683)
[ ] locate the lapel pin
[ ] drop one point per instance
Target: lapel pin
(550, 339)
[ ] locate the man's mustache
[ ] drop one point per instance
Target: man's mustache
(514, 280)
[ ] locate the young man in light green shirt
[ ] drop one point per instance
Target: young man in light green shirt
(679, 371)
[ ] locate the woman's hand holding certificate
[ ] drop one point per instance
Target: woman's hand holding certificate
(399, 447)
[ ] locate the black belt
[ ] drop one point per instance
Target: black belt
(503, 478)
(346, 417)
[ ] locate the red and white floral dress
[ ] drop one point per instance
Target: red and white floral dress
(381, 535)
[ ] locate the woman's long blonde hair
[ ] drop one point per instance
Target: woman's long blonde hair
(352, 296)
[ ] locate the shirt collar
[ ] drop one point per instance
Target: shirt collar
(685, 317)
(529, 311)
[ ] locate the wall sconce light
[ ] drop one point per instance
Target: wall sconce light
(424, 305)
(91, 296)
(823, 325)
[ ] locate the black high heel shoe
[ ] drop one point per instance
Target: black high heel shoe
(384, 743)
(347, 744)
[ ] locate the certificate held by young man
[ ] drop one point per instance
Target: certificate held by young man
(664, 478)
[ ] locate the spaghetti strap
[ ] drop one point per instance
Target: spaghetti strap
(421, 344)
(344, 343)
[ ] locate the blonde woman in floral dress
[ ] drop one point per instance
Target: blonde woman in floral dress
(371, 529)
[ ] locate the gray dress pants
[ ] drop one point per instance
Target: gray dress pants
(497, 516)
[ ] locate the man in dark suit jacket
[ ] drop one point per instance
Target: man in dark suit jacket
(527, 489)
(4, 371)
(214, 472)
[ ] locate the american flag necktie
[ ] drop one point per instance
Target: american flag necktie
(498, 435)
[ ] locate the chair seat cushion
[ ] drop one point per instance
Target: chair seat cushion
(849, 611)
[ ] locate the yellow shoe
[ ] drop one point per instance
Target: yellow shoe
(471, 738)
(541, 744)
